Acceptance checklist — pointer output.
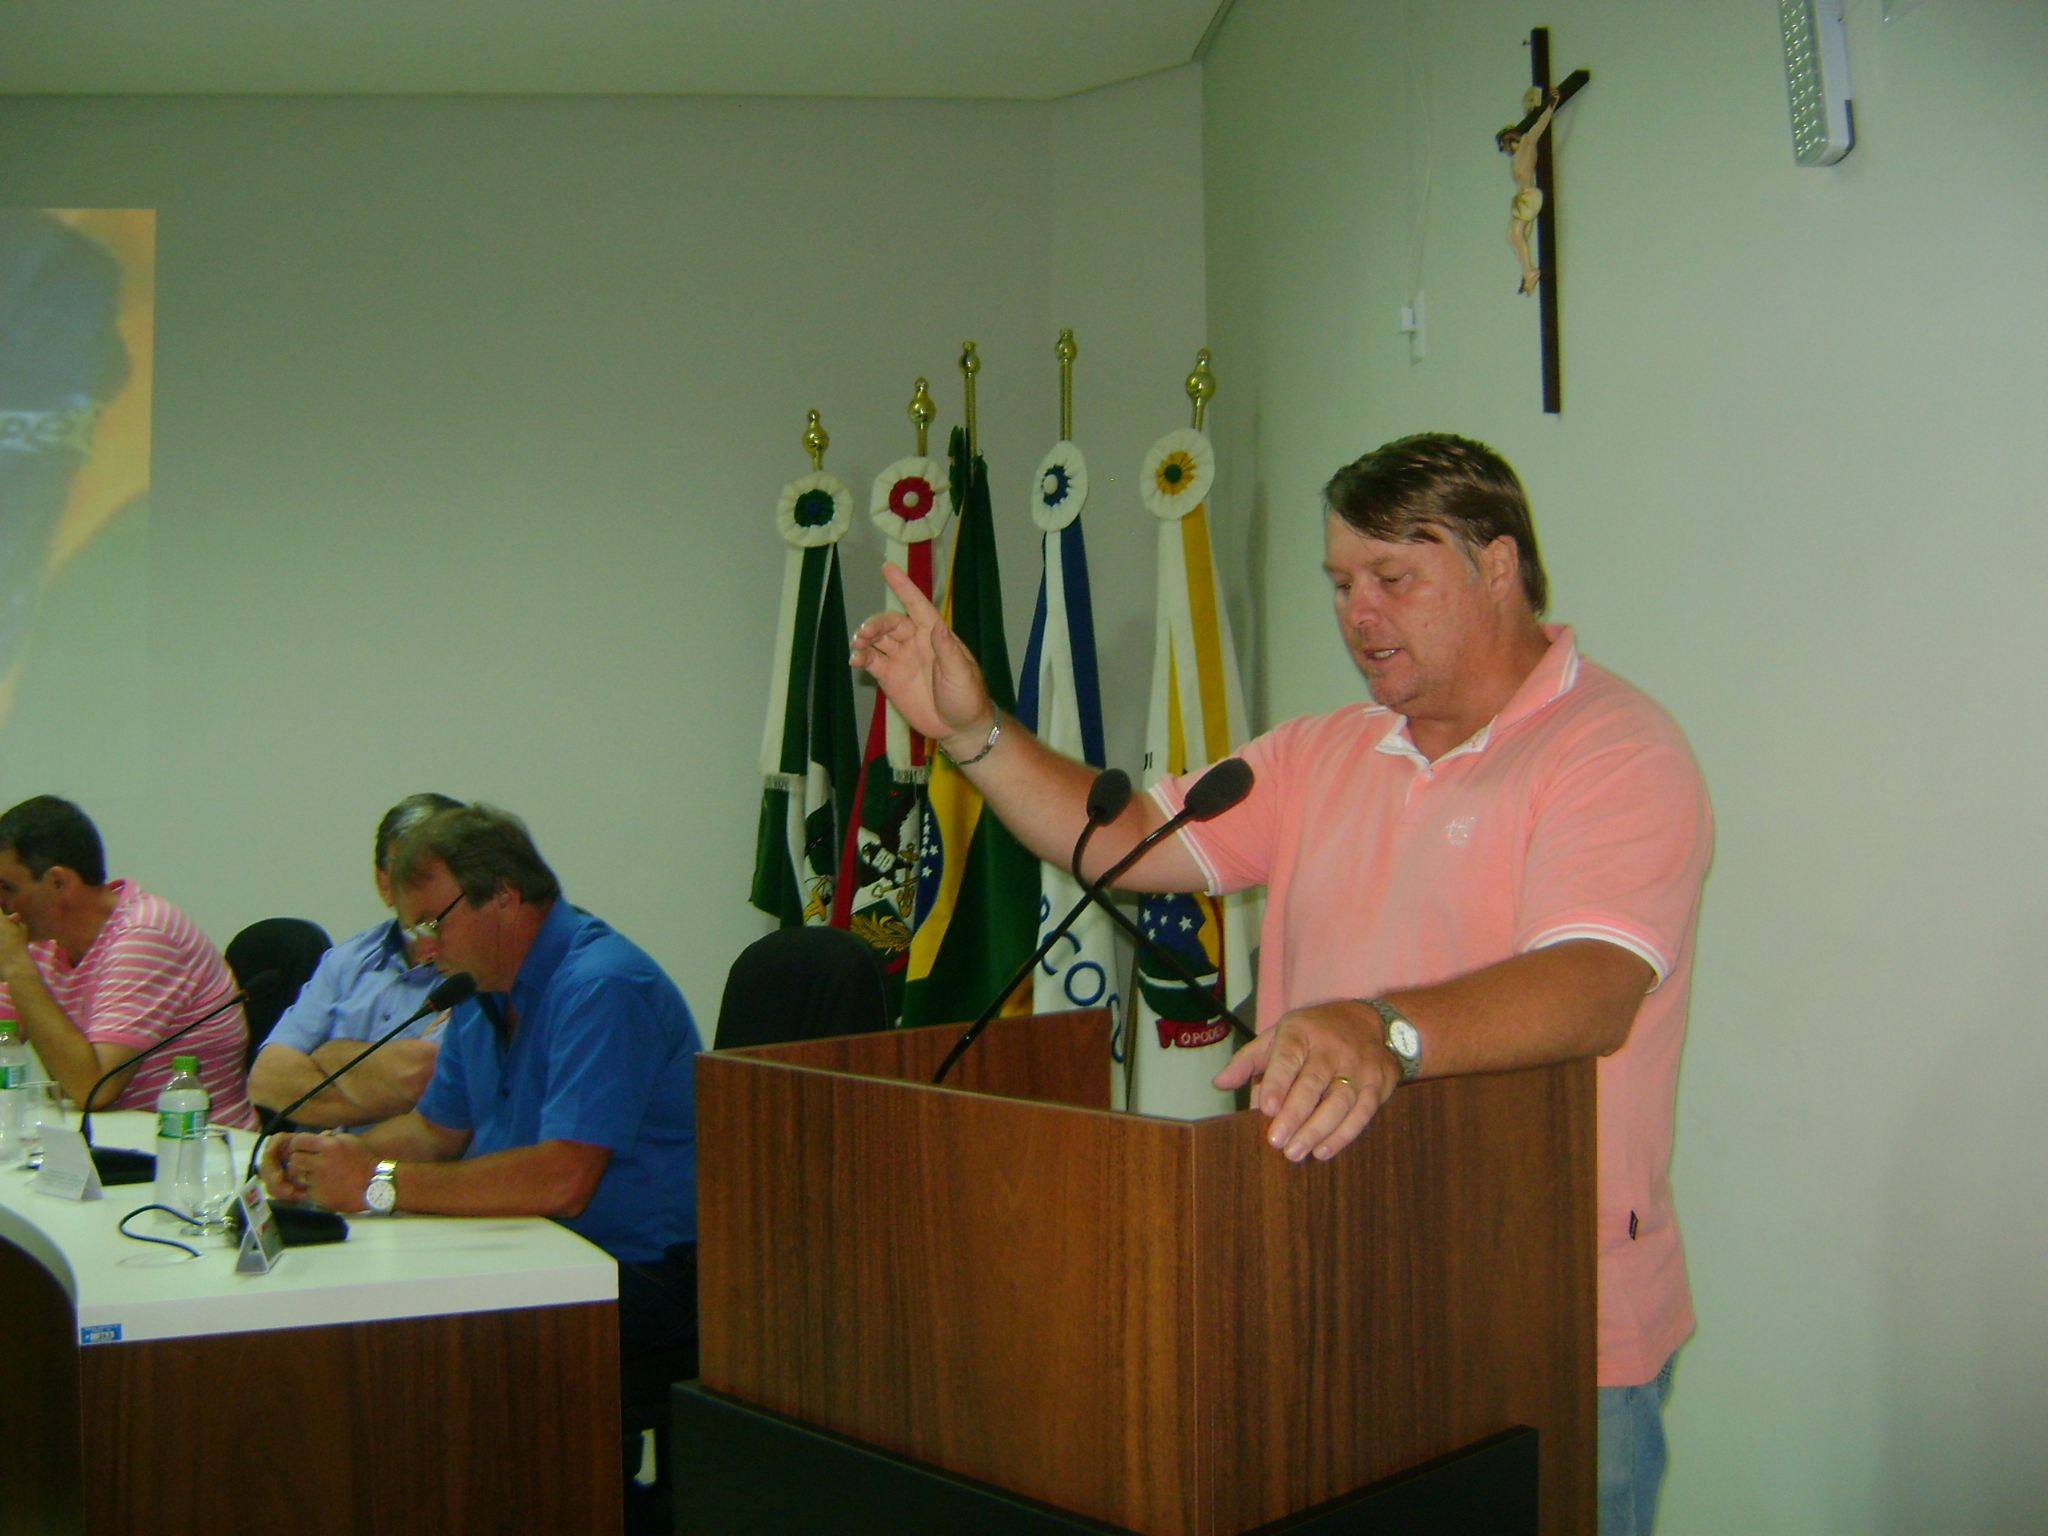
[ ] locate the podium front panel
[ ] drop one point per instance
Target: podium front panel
(996, 1286)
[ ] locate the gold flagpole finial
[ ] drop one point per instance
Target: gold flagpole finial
(970, 365)
(1201, 385)
(816, 442)
(921, 413)
(1066, 351)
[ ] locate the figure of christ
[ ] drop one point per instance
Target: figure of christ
(1520, 148)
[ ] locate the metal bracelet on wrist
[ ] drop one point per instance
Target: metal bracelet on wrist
(995, 729)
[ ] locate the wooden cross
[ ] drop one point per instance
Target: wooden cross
(1546, 221)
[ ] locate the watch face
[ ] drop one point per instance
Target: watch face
(1402, 1037)
(380, 1196)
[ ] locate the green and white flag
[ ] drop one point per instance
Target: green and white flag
(810, 751)
(1197, 718)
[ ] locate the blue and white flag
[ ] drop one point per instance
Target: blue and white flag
(1060, 699)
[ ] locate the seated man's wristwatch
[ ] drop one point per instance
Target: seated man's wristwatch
(380, 1195)
(1400, 1038)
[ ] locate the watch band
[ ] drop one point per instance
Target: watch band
(1401, 1037)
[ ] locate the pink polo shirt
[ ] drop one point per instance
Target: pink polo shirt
(1577, 813)
(150, 971)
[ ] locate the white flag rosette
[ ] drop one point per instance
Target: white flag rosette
(910, 504)
(796, 515)
(1178, 472)
(1061, 490)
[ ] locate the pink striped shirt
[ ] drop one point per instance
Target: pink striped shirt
(151, 971)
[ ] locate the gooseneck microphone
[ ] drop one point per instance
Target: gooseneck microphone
(1215, 792)
(119, 1165)
(449, 992)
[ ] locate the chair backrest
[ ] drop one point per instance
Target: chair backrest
(292, 947)
(802, 984)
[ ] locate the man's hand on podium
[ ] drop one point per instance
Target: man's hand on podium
(1326, 1071)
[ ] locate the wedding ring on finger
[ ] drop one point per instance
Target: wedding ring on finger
(1345, 1081)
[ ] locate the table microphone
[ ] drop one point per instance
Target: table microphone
(305, 1226)
(119, 1165)
(449, 992)
(1215, 792)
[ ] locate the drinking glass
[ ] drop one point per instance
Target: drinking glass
(41, 1104)
(217, 1181)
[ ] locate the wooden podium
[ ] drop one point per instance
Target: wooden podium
(1161, 1326)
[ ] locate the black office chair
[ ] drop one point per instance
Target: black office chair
(292, 947)
(802, 984)
(794, 984)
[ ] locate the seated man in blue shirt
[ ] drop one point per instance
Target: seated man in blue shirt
(564, 1089)
(362, 987)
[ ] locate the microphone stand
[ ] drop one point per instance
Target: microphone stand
(122, 1165)
(304, 1226)
(1093, 892)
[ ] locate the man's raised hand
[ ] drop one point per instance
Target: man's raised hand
(921, 665)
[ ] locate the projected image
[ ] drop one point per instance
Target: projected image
(76, 318)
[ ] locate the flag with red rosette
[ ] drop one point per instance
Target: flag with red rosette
(910, 507)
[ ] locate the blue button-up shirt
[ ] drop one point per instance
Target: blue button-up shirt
(603, 1051)
(362, 987)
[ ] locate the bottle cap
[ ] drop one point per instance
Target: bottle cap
(9, 1028)
(185, 1064)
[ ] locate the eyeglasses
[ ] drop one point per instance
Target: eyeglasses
(432, 925)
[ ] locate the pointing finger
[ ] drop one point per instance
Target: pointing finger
(915, 603)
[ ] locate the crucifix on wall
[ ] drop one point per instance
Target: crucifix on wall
(1527, 145)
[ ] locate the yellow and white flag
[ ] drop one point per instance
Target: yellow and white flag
(1197, 718)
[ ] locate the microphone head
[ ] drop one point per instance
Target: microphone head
(452, 990)
(1108, 796)
(264, 986)
(1218, 790)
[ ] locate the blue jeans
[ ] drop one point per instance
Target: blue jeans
(1632, 1454)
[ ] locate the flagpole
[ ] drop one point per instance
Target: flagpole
(922, 411)
(970, 365)
(1201, 386)
(1066, 350)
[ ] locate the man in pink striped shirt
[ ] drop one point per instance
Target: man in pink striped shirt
(98, 970)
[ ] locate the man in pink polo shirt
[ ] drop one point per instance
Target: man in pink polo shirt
(1495, 864)
(98, 970)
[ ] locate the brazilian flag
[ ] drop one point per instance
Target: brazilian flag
(975, 919)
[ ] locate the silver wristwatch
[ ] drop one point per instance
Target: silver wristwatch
(1401, 1038)
(380, 1195)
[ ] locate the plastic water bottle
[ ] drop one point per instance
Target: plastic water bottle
(180, 1126)
(13, 1088)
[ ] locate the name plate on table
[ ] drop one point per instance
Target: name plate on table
(261, 1242)
(67, 1171)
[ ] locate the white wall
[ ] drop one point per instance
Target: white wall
(471, 415)
(1798, 494)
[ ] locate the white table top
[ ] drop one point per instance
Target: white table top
(394, 1266)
